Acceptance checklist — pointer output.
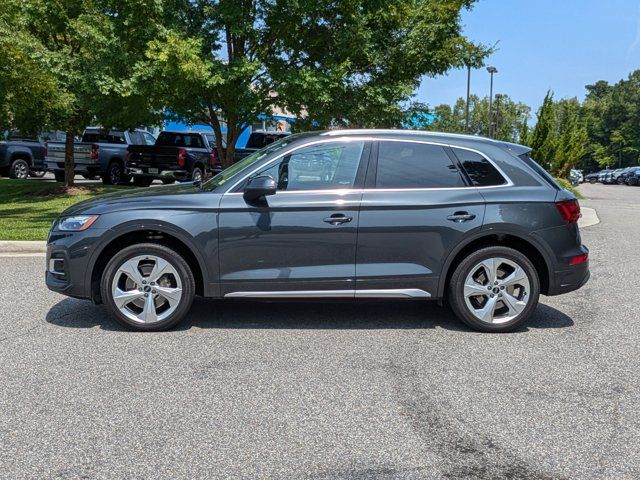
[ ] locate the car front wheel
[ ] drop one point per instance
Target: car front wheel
(494, 289)
(148, 287)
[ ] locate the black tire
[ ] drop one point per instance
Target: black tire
(168, 181)
(59, 175)
(456, 289)
(19, 169)
(176, 261)
(592, 180)
(197, 175)
(114, 174)
(142, 181)
(37, 173)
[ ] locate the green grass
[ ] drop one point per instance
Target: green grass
(27, 207)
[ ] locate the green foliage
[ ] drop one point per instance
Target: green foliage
(330, 63)
(566, 184)
(510, 117)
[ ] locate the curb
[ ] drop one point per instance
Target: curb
(589, 218)
(18, 247)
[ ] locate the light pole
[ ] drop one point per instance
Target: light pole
(491, 70)
(496, 123)
(466, 113)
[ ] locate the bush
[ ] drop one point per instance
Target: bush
(566, 184)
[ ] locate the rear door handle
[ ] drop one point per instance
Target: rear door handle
(338, 219)
(460, 217)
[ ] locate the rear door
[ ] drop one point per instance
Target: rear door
(417, 205)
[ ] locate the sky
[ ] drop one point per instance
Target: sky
(561, 45)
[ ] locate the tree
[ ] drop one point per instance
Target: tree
(511, 117)
(85, 47)
(544, 137)
(29, 95)
(353, 62)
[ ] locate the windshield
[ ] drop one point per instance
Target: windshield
(226, 175)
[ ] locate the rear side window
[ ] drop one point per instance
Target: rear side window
(481, 172)
(526, 158)
(415, 165)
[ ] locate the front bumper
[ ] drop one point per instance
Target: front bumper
(67, 262)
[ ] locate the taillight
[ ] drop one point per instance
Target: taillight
(182, 157)
(579, 259)
(46, 149)
(127, 156)
(213, 157)
(569, 210)
(94, 151)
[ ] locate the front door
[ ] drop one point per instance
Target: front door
(302, 240)
(417, 206)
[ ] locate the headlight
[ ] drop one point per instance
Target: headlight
(76, 223)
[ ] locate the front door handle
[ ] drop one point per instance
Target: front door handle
(460, 217)
(338, 219)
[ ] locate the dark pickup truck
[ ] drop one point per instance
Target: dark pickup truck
(257, 141)
(100, 153)
(22, 156)
(183, 156)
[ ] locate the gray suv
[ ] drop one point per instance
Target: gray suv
(340, 214)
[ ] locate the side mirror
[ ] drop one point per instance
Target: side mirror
(260, 187)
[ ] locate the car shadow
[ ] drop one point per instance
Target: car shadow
(333, 315)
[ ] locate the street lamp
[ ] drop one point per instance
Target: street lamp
(499, 97)
(491, 70)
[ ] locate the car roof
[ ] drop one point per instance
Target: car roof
(454, 138)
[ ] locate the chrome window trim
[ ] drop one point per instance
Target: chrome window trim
(278, 157)
(336, 139)
(508, 182)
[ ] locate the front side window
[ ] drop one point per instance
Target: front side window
(481, 172)
(415, 165)
(325, 166)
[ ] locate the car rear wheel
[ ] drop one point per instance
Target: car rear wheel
(37, 173)
(148, 287)
(494, 289)
(19, 169)
(115, 175)
(197, 175)
(59, 175)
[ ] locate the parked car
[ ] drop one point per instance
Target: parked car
(633, 177)
(577, 175)
(258, 140)
(341, 214)
(604, 175)
(613, 178)
(22, 156)
(622, 178)
(592, 177)
(100, 153)
(183, 156)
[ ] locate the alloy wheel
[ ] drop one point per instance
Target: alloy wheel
(497, 290)
(146, 289)
(20, 170)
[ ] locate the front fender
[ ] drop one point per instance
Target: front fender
(203, 243)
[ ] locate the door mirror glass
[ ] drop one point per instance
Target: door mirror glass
(260, 187)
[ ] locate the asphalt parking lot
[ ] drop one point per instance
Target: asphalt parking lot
(333, 390)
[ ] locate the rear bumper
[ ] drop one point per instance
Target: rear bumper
(570, 280)
(144, 172)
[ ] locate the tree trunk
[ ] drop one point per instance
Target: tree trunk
(68, 160)
(232, 138)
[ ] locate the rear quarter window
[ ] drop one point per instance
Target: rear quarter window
(479, 170)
